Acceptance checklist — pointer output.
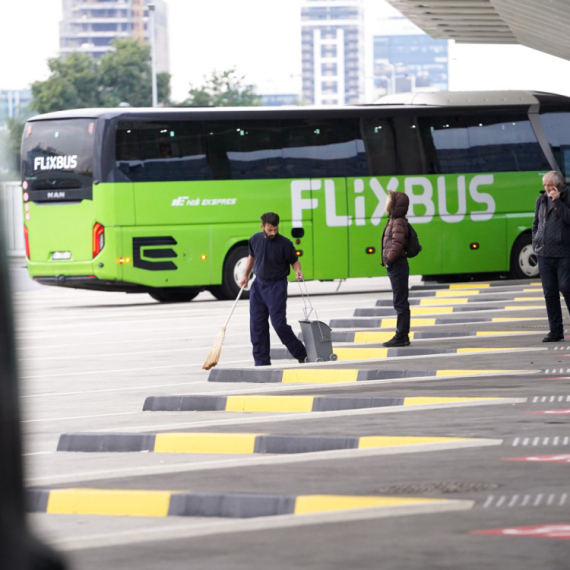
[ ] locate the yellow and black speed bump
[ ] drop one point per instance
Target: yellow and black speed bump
(373, 323)
(263, 375)
(472, 292)
(114, 502)
(390, 312)
(288, 403)
(349, 336)
(441, 301)
(365, 353)
(237, 443)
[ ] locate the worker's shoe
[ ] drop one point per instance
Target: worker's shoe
(554, 336)
(303, 360)
(398, 340)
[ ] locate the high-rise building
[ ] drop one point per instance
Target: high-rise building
(89, 26)
(406, 59)
(332, 36)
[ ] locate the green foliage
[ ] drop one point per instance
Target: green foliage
(79, 80)
(73, 84)
(223, 89)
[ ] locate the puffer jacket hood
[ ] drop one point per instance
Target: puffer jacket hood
(399, 206)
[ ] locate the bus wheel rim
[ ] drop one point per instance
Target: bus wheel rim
(528, 261)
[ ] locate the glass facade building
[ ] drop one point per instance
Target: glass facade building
(406, 59)
(90, 26)
(14, 104)
(332, 36)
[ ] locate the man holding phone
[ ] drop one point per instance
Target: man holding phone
(551, 243)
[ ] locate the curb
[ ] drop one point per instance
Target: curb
(372, 323)
(288, 403)
(179, 504)
(235, 443)
(328, 375)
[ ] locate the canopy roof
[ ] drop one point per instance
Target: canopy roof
(543, 25)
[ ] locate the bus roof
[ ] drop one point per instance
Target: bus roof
(441, 99)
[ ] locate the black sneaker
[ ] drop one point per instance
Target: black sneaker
(398, 341)
(553, 337)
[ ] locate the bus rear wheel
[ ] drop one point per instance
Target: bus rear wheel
(524, 263)
(167, 296)
(233, 272)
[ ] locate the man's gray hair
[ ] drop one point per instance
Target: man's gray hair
(555, 176)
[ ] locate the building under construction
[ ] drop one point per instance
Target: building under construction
(89, 26)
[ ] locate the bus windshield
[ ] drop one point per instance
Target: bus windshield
(57, 160)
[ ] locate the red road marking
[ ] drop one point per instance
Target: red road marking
(546, 458)
(542, 531)
(553, 412)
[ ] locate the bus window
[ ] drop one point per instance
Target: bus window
(57, 159)
(323, 149)
(379, 146)
(482, 143)
(161, 151)
(557, 129)
(242, 150)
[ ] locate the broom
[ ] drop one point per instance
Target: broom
(214, 355)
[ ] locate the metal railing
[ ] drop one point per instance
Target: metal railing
(12, 219)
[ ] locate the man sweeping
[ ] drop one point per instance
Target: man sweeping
(270, 257)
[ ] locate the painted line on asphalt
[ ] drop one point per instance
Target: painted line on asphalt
(233, 443)
(417, 311)
(376, 323)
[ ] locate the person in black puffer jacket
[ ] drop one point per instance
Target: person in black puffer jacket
(394, 240)
(551, 243)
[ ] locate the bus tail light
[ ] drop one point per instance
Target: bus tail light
(98, 239)
(27, 242)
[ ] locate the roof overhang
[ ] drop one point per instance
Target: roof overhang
(541, 25)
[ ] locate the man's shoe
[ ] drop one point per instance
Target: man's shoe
(303, 360)
(553, 337)
(398, 341)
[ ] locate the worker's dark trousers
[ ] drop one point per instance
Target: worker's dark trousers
(399, 273)
(268, 299)
(555, 277)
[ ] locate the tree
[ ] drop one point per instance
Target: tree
(79, 80)
(223, 89)
(73, 84)
(126, 76)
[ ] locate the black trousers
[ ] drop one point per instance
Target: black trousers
(268, 299)
(399, 273)
(555, 277)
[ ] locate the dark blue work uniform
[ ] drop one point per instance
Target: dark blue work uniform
(268, 296)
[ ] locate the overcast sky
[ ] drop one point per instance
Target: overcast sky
(261, 38)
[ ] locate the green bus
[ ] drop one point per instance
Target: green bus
(164, 200)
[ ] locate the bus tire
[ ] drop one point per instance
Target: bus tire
(524, 262)
(234, 266)
(167, 296)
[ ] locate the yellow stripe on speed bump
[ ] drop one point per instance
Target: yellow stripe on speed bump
(427, 400)
(469, 286)
(365, 353)
(436, 301)
(360, 353)
(368, 442)
(329, 376)
(108, 502)
(269, 403)
(113, 502)
(205, 443)
(322, 503)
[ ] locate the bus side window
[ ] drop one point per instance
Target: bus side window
(490, 142)
(409, 149)
(557, 129)
(379, 142)
(161, 151)
(323, 149)
(242, 150)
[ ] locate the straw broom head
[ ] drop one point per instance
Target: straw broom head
(214, 355)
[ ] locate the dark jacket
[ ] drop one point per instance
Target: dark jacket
(396, 232)
(551, 229)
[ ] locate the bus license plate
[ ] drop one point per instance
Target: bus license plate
(61, 255)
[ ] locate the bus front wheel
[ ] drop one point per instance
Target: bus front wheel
(524, 263)
(167, 296)
(234, 267)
